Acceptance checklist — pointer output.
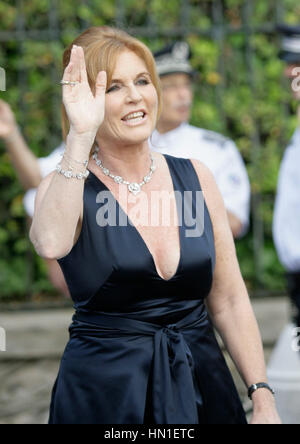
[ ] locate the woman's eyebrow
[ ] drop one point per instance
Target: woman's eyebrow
(140, 74)
(143, 73)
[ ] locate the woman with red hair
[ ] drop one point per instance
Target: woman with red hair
(142, 347)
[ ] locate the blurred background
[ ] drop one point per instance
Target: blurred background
(241, 93)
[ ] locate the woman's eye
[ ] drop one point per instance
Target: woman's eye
(112, 88)
(144, 81)
(140, 81)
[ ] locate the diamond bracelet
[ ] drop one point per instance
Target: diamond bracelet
(66, 156)
(69, 173)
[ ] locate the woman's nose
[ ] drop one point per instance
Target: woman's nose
(133, 94)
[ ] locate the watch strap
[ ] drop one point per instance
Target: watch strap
(257, 386)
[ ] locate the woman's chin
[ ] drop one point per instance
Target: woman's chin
(137, 135)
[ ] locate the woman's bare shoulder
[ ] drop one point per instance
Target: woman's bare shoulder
(207, 181)
(213, 197)
(202, 170)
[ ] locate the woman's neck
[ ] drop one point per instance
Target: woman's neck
(132, 162)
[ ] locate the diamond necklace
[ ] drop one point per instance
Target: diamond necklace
(133, 187)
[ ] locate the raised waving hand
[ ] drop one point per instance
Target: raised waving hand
(84, 109)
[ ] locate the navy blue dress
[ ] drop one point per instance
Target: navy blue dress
(142, 349)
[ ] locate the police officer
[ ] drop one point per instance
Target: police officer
(175, 136)
(286, 220)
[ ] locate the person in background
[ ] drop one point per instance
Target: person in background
(286, 220)
(175, 136)
(30, 171)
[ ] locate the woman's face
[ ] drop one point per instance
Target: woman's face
(130, 91)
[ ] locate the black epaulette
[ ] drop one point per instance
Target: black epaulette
(212, 136)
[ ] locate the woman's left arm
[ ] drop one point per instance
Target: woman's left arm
(229, 305)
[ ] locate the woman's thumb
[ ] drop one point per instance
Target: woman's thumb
(101, 83)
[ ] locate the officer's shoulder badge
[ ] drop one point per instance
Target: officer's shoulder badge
(217, 138)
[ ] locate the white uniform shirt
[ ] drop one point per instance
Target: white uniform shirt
(47, 164)
(286, 220)
(220, 155)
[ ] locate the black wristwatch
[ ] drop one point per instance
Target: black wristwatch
(259, 385)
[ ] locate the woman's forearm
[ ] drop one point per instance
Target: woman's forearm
(55, 221)
(239, 331)
(24, 161)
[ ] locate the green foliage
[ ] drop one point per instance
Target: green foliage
(240, 93)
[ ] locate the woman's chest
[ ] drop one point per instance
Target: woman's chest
(154, 217)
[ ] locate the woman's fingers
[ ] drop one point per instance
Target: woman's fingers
(72, 70)
(85, 110)
(83, 73)
(67, 72)
(67, 78)
(101, 83)
(75, 60)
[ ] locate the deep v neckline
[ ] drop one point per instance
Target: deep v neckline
(140, 237)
